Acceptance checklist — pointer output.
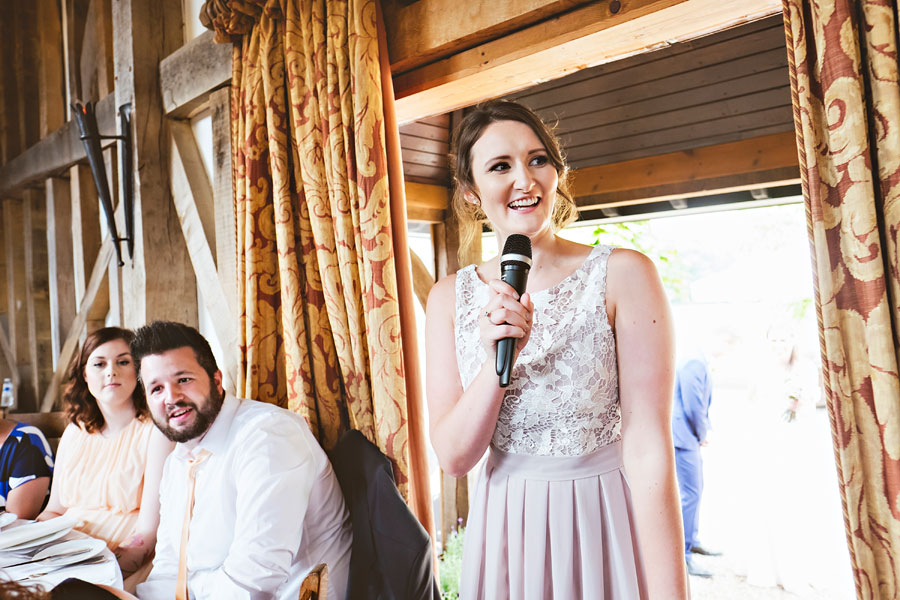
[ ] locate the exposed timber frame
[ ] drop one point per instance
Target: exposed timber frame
(584, 37)
(439, 65)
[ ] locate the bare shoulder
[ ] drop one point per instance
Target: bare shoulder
(632, 284)
(442, 296)
(629, 268)
(627, 261)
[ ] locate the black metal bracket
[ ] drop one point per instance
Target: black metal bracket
(90, 137)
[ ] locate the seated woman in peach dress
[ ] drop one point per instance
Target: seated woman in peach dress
(110, 457)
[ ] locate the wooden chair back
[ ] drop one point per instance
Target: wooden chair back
(51, 424)
(315, 585)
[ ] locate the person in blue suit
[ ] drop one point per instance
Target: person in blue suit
(690, 424)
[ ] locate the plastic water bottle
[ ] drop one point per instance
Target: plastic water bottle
(8, 399)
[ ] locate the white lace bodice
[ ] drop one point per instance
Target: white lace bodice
(563, 398)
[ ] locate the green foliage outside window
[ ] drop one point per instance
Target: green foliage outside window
(636, 236)
(451, 564)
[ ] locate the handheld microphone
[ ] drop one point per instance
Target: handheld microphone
(515, 262)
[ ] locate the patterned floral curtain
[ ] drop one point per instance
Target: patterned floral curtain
(318, 273)
(844, 80)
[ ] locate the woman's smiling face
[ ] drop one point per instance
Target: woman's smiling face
(515, 182)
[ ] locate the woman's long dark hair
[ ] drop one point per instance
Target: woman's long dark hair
(81, 407)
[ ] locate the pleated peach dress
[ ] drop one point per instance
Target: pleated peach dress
(552, 516)
(101, 479)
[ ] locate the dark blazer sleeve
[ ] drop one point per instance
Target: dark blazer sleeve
(391, 556)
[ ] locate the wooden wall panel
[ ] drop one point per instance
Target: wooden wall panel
(73, 14)
(425, 147)
(85, 223)
(50, 68)
(96, 58)
(627, 72)
(26, 56)
(9, 121)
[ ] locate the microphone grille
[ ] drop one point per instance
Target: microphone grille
(517, 244)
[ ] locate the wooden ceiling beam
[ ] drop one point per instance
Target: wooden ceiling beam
(756, 162)
(426, 202)
(734, 158)
(188, 75)
(581, 38)
(56, 152)
(422, 32)
(764, 161)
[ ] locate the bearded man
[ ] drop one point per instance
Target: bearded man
(249, 503)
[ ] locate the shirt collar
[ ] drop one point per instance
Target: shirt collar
(215, 439)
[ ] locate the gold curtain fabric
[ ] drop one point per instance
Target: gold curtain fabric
(844, 81)
(320, 308)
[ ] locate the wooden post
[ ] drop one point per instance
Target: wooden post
(85, 233)
(189, 185)
(60, 267)
(50, 68)
(36, 294)
(11, 224)
(9, 117)
(26, 77)
(223, 196)
(8, 358)
(445, 238)
(159, 283)
(197, 178)
(454, 491)
(44, 307)
(14, 234)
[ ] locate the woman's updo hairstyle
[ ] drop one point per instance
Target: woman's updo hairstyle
(468, 132)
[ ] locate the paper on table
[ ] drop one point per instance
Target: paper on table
(6, 518)
(19, 534)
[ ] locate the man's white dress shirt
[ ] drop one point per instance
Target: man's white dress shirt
(267, 509)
